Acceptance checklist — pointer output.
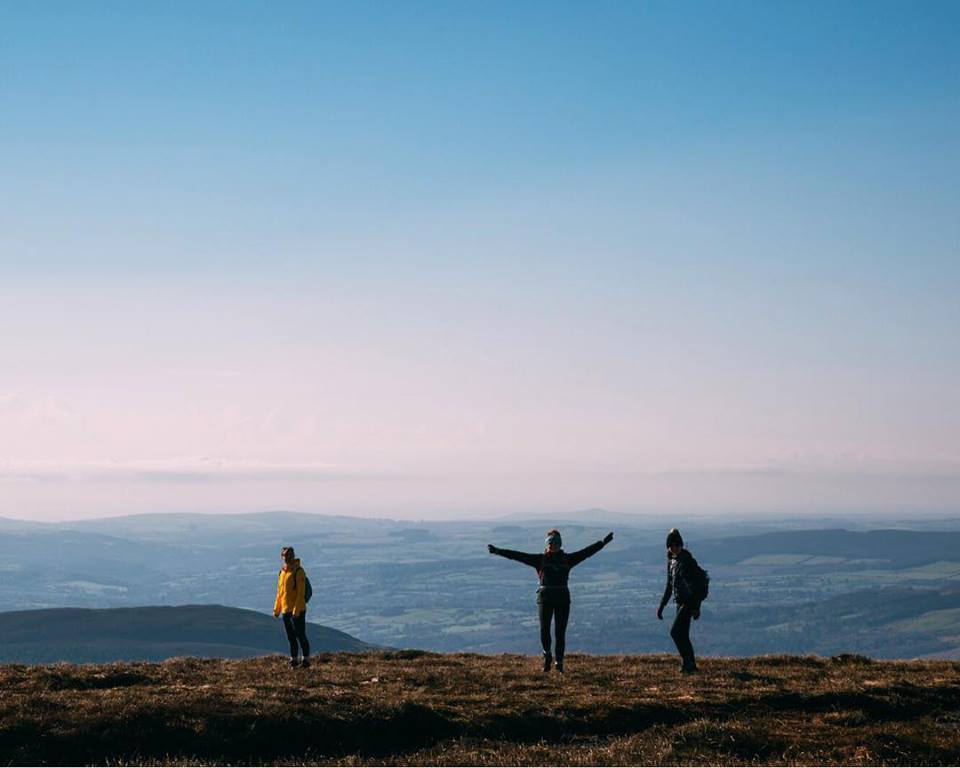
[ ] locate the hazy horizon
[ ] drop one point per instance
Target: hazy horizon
(443, 261)
(697, 519)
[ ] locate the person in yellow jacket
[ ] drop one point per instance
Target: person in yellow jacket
(291, 603)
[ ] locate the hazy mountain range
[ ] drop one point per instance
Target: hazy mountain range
(793, 585)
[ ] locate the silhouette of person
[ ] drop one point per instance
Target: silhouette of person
(553, 596)
(682, 572)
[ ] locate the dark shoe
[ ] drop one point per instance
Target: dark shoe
(547, 662)
(689, 669)
(294, 663)
(560, 666)
(305, 664)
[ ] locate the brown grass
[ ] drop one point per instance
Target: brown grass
(414, 708)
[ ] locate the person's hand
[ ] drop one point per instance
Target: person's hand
(696, 614)
(660, 613)
(608, 538)
(491, 549)
(276, 614)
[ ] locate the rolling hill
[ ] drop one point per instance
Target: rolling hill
(153, 633)
(837, 548)
(432, 585)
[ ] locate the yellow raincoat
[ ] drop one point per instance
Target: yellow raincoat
(291, 589)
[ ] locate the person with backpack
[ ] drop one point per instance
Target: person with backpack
(553, 596)
(293, 593)
(688, 584)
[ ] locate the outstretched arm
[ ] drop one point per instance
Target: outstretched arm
(575, 558)
(521, 557)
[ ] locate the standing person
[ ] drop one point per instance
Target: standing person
(553, 596)
(291, 603)
(687, 583)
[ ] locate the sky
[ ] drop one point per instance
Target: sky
(451, 259)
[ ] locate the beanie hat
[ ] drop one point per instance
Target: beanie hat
(674, 537)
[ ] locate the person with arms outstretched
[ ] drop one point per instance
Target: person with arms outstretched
(553, 596)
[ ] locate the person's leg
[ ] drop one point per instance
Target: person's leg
(291, 635)
(691, 656)
(680, 632)
(545, 609)
(300, 624)
(562, 614)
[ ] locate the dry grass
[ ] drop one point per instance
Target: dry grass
(427, 709)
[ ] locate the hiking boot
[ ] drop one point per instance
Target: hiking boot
(305, 664)
(294, 663)
(547, 662)
(689, 668)
(560, 666)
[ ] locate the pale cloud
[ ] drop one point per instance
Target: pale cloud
(185, 470)
(34, 408)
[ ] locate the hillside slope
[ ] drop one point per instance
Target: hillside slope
(152, 633)
(409, 707)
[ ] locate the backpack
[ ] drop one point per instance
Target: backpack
(307, 586)
(699, 581)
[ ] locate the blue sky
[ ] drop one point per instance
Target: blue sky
(574, 252)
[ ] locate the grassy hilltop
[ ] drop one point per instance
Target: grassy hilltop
(409, 707)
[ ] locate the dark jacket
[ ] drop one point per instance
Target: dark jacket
(680, 572)
(553, 569)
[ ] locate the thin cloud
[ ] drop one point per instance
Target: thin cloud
(200, 470)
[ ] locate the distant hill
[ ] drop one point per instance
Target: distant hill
(433, 585)
(415, 708)
(81, 635)
(895, 548)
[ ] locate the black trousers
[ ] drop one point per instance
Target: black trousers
(680, 632)
(557, 611)
(296, 627)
